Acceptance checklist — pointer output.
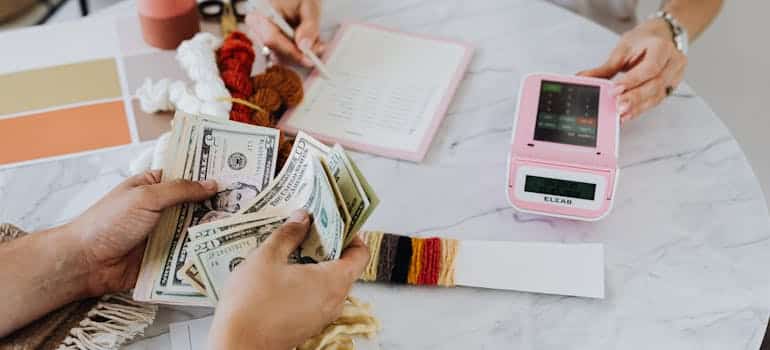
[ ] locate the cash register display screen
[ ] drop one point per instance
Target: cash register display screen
(557, 187)
(567, 113)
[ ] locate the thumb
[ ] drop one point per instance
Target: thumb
(288, 237)
(309, 19)
(608, 69)
(166, 194)
(651, 65)
(352, 263)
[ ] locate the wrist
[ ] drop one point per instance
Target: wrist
(90, 271)
(679, 36)
(229, 332)
(71, 265)
(661, 28)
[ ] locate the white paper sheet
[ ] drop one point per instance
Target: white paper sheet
(193, 335)
(190, 335)
(551, 268)
(385, 91)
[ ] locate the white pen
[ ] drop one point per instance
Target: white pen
(279, 21)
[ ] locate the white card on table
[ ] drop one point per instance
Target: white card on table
(539, 267)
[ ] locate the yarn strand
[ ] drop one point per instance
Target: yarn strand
(243, 102)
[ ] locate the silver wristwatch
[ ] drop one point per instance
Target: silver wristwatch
(681, 39)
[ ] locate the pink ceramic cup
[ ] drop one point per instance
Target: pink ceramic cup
(166, 23)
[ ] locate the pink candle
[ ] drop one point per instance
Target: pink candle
(166, 23)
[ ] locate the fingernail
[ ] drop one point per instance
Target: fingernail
(320, 48)
(619, 89)
(307, 62)
(298, 216)
(305, 44)
(209, 184)
(623, 107)
(625, 117)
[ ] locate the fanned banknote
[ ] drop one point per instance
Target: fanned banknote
(240, 157)
(220, 246)
(196, 246)
(303, 183)
(219, 254)
(359, 197)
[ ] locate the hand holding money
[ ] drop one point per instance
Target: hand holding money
(196, 246)
(112, 231)
(300, 299)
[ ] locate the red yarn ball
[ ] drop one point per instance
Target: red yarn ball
(236, 49)
(238, 83)
(231, 64)
(238, 36)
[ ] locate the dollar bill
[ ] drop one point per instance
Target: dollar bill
(189, 271)
(195, 246)
(242, 161)
(303, 183)
(192, 277)
(217, 256)
(219, 246)
(338, 199)
(242, 158)
(357, 200)
(368, 189)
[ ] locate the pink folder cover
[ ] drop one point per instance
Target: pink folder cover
(427, 138)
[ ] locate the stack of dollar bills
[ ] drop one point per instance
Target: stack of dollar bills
(196, 245)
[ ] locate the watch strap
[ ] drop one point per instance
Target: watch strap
(679, 32)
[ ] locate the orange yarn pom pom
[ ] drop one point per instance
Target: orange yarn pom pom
(268, 99)
(289, 85)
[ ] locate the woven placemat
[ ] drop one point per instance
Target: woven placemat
(92, 324)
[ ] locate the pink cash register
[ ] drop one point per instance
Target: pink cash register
(564, 148)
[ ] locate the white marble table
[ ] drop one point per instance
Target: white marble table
(686, 246)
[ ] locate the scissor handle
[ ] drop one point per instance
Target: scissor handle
(238, 13)
(213, 9)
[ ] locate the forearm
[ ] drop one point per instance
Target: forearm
(695, 15)
(39, 273)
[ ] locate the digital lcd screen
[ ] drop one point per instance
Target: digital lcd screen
(557, 187)
(567, 113)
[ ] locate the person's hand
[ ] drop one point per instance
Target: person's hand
(112, 232)
(271, 304)
(304, 15)
(653, 66)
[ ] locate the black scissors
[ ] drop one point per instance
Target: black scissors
(214, 9)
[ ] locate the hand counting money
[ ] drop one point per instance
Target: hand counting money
(196, 246)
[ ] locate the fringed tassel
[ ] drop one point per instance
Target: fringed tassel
(356, 320)
(114, 320)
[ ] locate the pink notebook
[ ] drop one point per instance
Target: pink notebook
(388, 91)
